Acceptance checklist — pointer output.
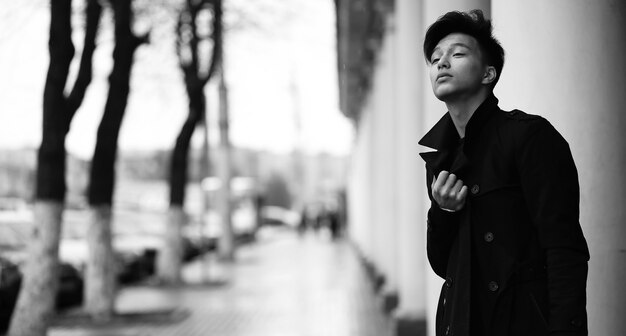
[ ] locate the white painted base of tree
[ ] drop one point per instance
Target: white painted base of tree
(100, 281)
(35, 304)
(169, 258)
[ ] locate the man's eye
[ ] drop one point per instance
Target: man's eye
(434, 60)
(458, 54)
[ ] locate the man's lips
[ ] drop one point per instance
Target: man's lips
(443, 75)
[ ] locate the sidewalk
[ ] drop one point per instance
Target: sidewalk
(281, 285)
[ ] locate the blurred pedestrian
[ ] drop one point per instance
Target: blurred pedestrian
(503, 226)
(303, 225)
(332, 217)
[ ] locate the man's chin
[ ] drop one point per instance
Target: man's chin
(444, 95)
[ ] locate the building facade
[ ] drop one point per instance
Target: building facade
(563, 62)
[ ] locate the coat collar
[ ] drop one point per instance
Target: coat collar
(444, 138)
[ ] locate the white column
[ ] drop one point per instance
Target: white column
(368, 232)
(380, 193)
(360, 188)
(385, 161)
(434, 110)
(565, 61)
(410, 180)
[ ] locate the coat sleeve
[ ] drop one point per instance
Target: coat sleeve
(442, 228)
(550, 185)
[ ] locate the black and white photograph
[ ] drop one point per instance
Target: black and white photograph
(312, 167)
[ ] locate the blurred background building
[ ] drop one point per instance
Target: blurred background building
(563, 61)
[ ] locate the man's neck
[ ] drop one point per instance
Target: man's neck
(462, 109)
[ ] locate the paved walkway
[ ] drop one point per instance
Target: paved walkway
(281, 285)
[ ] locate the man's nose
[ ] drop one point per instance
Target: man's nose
(443, 63)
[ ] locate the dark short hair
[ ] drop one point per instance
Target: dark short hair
(472, 23)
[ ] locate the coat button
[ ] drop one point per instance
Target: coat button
(576, 323)
(493, 286)
(488, 237)
(448, 330)
(448, 282)
(475, 189)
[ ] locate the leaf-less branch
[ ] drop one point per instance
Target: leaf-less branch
(217, 37)
(188, 39)
(77, 94)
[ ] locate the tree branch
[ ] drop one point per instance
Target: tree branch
(142, 39)
(194, 9)
(75, 98)
(217, 35)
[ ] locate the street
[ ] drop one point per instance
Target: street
(282, 284)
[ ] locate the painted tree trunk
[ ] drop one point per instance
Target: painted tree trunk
(100, 280)
(188, 40)
(171, 255)
(100, 272)
(35, 304)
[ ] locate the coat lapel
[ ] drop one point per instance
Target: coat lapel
(444, 138)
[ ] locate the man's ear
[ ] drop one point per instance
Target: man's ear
(489, 75)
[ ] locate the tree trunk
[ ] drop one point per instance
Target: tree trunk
(170, 258)
(180, 154)
(100, 280)
(171, 255)
(100, 273)
(189, 56)
(35, 304)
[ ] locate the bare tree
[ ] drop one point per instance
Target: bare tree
(100, 276)
(36, 300)
(192, 38)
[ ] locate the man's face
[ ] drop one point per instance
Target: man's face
(457, 69)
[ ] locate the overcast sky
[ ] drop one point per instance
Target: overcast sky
(264, 69)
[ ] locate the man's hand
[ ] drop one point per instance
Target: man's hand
(449, 192)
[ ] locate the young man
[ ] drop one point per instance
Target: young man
(503, 227)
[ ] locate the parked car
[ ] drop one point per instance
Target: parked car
(134, 248)
(10, 280)
(137, 240)
(278, 216)
(69, 293)
(205, 230)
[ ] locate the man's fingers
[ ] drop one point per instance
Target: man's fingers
(441, 179)
(449, 191)
(447, 188)
(460, 196)
(438, 183)
(457, 187)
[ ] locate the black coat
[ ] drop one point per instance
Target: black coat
(514, 258)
